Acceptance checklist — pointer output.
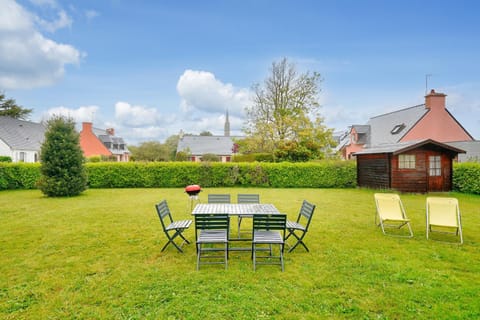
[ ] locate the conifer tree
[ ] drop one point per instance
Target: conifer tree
(62, 162)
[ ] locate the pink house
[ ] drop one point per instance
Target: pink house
(430, 120)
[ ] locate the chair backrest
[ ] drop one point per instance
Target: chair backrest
(210, 221)
(248, 198)
(389, 206)
(219, 198)
(164, 213)
(443, 212)
(306, 213)
(269, 222)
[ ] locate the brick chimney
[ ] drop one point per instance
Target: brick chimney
(111, 131)
(435, 100)
(86, 126)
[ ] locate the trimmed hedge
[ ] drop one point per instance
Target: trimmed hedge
(325, 174)
(19, 175)
(466, 177)
(179, 174)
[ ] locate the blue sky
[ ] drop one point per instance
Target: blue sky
(152, 68)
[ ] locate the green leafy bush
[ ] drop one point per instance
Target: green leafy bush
(466, 177)
(19, 175)
(5, 159)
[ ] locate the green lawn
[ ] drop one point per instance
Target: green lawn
(97, 256)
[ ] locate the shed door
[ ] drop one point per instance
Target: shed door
(435, 171)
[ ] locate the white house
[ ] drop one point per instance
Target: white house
(21, 140)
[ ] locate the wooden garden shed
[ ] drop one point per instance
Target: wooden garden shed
(413, 166)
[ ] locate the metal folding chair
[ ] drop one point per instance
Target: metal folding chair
(246, 198)
(211, 229)
(172, 229)
(218, 198)
(299, 227)
(268, 229)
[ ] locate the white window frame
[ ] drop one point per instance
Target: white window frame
(406, 161)
(434, 166)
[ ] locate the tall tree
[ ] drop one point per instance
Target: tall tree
(282, 111)
(8, 107)
(151, 151)
(62, 170)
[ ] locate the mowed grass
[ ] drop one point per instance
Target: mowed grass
(97, 256)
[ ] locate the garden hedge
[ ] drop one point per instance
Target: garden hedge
(339, 174)
(466, 177)
(325, 174)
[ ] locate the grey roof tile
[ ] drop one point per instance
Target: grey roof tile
(20, 134)
(382, 125)
(199, 145)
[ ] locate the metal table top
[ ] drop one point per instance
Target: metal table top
(235, 209)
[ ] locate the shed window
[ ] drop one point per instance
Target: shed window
(435, 166)
(406, 161)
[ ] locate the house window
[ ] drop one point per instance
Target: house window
(406, 161)
(22, 156)
(398, 128)
(435, 166)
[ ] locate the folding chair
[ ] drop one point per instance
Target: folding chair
(246, 198)
(211, 229)
(301, 225)
(171, 228)
(443, 215)
(218, 198)
(391, 213)
(268, 229)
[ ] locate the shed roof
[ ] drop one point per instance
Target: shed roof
(401, 147)
(20, 134)
(199, 145)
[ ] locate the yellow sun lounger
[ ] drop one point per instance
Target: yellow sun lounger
(443, 215)
(391, 213)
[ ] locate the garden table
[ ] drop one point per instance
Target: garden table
(243, 210)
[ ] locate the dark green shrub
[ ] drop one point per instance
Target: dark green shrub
(466, 177)
(19, 175)
(5, 159)
(210, 157)
(62, 171)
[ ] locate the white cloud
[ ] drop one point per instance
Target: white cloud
(63, 21)
(200, 90)
(27, 58)
(82, 114)
(91, 14)
(50, 3)
(137, 116)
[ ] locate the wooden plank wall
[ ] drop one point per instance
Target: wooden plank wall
(411, 180)
(373, 171)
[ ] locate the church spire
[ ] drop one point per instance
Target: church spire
(227, 126)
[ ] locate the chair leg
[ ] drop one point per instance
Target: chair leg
(299, 241)
(184, 239)
(281, 256)
(199, 251)
(254, 256)
(170, 240)
(226, 255)
(239, 223)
